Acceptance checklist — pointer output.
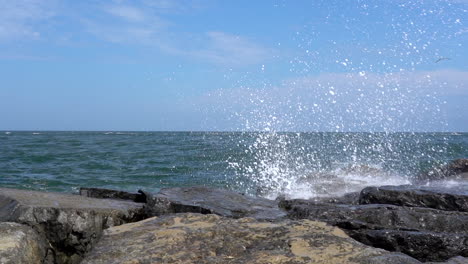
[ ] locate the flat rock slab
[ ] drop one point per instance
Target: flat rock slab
(211, 201)
(197, 238)
(71, 223)
(453, 198)
(21, 244)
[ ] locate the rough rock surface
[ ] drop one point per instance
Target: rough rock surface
(206, 200)
(196, 238)
(379, 215)
(21, 244)
(453, 198)
(71, 223)
(424, 233)
(112, 194)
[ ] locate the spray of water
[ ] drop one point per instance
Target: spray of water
(354, 113)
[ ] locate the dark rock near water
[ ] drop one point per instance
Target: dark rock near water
(71, 223)
(21, 244)
(443, 198)
(112, 194)
(454, 170)
(196, 238)
(206, 200)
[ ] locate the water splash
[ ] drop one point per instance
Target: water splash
(363, 93)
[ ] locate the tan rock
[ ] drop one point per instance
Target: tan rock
(20, 244)
(196, 238)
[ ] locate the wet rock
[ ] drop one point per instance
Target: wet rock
(211, 201)
(392, 227)
(112, 194)
(453, 198)
(196, 238)
(71, 223)
(21, 244)
(454, 170)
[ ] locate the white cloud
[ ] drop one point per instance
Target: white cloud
(229, 49)
(129, 13)
(20, 18)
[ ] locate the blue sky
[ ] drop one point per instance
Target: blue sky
(234, 65)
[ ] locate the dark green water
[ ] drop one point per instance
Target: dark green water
(298, 164)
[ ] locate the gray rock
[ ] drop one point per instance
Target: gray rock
(384, 216)
(392, 227)
(71, 223)
(424, 246)
(211, 201)
(444, 198)
(203, 239)
(21, 244)
(112, 194)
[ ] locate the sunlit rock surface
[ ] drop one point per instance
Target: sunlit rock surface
(196, 238)
(211, 201)
(21, 244)
(71, 223)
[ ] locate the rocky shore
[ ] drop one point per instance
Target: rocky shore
(424, 223)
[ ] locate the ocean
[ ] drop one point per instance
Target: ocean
(297, 165)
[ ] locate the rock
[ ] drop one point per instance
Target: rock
(443, 198)
(384, 216)
(211, 201)
(424, 246)
(455, 260)
(112, 194)
(454, 170)
(21, 244)
(196, 238)
(391, 227)
(71, 223)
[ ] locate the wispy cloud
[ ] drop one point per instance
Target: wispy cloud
(129, 13)
(229, 49)
(20, 18)
(143, 24)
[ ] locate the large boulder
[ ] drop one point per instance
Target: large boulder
(196, 238)
(206, 200)
(71, 223)
(454, 198)
(21, 244)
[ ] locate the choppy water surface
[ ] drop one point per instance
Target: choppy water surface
(294, 164)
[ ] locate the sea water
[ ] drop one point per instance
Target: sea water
(296, 165)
